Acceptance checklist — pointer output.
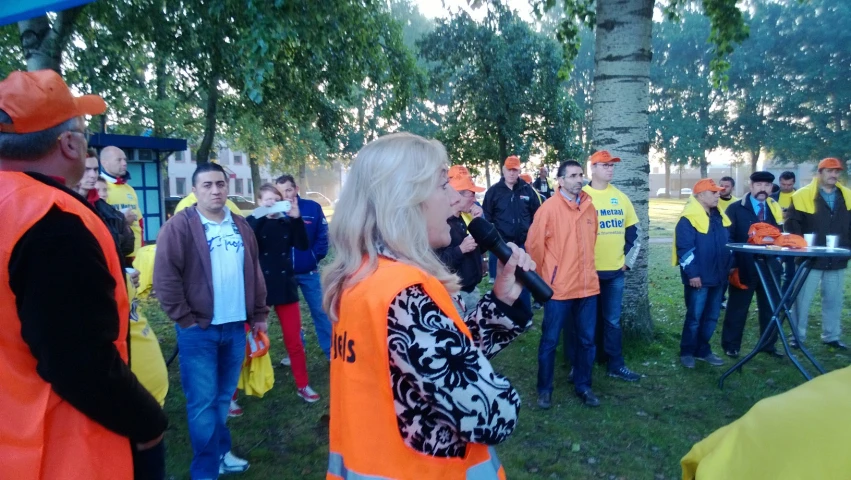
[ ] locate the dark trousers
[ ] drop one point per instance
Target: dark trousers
(150, 464)
(703, 305)
(737, 314)
(578, 318)
(609, 334)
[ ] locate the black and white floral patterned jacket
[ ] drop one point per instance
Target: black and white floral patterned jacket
(445, 391)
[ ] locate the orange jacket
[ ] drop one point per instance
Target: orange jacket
(561, 242)
(365, 439)
(41, 435)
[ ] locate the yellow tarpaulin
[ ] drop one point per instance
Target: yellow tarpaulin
(802, 434)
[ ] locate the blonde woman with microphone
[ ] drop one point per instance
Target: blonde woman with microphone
(413, 393)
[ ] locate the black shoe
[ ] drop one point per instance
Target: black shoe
(732, 353)
(773, 352)
(589, 399)
(624, 374)
(570, 376)
(837, 344)
(793, 343)
(544, 400)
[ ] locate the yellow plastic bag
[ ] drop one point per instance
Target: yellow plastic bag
(257, 376)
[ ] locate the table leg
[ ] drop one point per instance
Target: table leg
(792, 291)
(773, 293)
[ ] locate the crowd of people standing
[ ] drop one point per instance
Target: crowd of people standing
(399, 313)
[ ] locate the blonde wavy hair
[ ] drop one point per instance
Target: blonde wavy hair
(382, 203)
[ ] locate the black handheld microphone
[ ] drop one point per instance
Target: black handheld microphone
(488, 239)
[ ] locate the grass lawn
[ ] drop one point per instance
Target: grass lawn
(664, 214)
(640, 432)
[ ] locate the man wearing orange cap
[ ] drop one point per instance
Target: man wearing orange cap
(510, 204)
(71, 406)
(615, 251)
(700, 250)
(462, 256)
(755, 207)
(823, 208)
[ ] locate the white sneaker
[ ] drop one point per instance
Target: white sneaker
(232, 464)
(286, 361)
(308, 394)
(234, 410)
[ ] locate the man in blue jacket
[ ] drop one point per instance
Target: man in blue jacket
(700, 250)
(306, 262)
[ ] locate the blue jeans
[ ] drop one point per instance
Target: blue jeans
(578, 317)
(609, 306)
(525, 295)
(703, 306)
(311, 291)
(210, 362)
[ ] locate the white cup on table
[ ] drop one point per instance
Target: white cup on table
(832, 241)
(810, 238)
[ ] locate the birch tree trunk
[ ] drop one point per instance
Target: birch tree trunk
(620, 125)
(43, 43)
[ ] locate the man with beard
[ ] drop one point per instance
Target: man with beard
(561, 242)
(755, 207)
(726, 197)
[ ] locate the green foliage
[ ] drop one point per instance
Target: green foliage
(687, 112)
(500, 89)
(728, 27)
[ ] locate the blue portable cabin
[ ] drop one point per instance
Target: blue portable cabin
(144, 163)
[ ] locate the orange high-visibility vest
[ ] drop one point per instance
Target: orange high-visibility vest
(365, 438)
(41, 435)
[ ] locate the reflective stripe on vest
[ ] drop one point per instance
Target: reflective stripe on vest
(487, 470)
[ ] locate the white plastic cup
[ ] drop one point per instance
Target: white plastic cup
(810, 238)
(832, 241)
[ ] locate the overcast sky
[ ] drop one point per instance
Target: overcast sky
(435, 8)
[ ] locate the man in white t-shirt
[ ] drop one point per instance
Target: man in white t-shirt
(208, 280)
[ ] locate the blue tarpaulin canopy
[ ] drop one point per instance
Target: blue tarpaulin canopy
(12, 11)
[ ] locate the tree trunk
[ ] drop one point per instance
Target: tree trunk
(255, 173)
(620, 125)
(754, 159)
(488, 172)
(159, 117)
(42, 43)
(704, 166)
(302, 176)
(203, 155)
(667, 179)
(503, 149)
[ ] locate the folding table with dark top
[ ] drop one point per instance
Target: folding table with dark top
(781, 301)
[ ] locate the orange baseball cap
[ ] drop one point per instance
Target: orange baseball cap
(830, 162)
(40, 100)
(603, 156)
(464, 181)
(526, 177)
(456, 170)
(512, 162)
(705, 185)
